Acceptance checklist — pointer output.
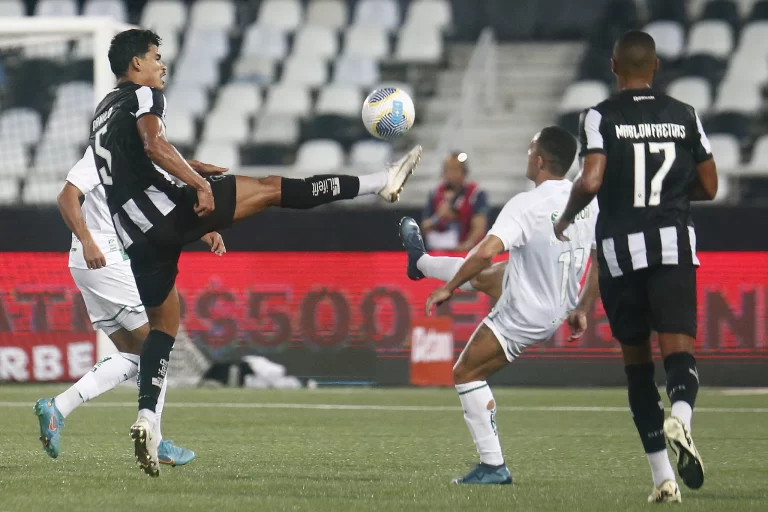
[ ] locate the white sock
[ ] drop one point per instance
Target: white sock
(442, 268)
(159, 408)
(479, 413)
(682, 410)
(105, 375)
(660, 467)
(150, 415)
(372, 183)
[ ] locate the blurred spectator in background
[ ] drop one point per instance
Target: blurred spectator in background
(456, 216)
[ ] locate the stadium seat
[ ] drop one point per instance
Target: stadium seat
(711, 37)
(723, 10)
(419, 44)
(291, 100)
(754, 37)
(343, 129)
(332, 14)
(257, 70)
(54, 157)
(669, 37)
(205, 43)
(56, 8)
(366, 41)
(180, 127)
(264, 41)
(276, 129)
(12, 9)
(342, 100)
(595, 65)
(239, 99)
(570, 122)
(305, 70)
(9, 191)
(429, 13)
(370, 154)
(316, 41)
(727, 152)
(68, 125)
(759, 11)
(164, 13)
(218, 153)
(41, 191)
(356, 70)
(14, 159)
(22, 125)
(319, 156)
(737, 96)
(695, 91)
(74, 96)
(115, 9)
(758, 165)
(667, 10)
(212, 14)
(584, 94)
(187, 98)
(383, 13)
(285, 15)
(224, 126)
(734, 123)
(705, 66)
(194, 71)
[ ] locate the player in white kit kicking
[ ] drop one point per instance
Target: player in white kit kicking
(102, 272)
(537, 291)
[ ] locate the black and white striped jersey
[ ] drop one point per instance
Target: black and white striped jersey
(652, 144)
(139, 194)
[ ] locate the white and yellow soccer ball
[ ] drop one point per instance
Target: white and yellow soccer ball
(388, 113)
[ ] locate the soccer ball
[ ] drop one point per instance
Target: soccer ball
(388, 113)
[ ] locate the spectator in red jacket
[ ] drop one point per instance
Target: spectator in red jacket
(456, 215)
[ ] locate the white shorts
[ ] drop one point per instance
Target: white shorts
(111, 297)
(513, 346)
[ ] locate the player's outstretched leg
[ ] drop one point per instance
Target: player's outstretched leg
(648, 414)
(105, 375)
(482, 357)
(421, 264)
(682, 388)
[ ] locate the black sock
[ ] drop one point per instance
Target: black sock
(682, 377)
(153, 366)
(317, 190)
(646, 406)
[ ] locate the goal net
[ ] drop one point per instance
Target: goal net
(53, 72)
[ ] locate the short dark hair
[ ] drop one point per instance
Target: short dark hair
(635, 53)
(127, 45)
(558, 148)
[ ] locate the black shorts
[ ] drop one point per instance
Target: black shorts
(660, 298)
(155, 263)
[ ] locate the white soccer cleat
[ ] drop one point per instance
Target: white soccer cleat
(689, 464)
(398, 173)
(668, 492)
(145, 446)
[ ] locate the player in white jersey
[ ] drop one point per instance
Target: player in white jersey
(102, 272)
(537, 289)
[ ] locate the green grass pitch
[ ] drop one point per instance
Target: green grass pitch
(371, 450)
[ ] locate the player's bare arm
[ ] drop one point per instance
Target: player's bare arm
(577, 319)
(478, 259)
(69, 206)
(585, 188)
(204, 169)
(705, 187)
(162, 152)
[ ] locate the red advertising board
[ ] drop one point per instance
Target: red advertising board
(246, 302)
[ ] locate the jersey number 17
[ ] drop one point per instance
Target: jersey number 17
(668, 148)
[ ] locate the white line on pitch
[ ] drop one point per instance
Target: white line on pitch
(415, 408)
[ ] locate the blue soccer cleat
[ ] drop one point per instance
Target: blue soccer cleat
(410, 236)
(172, 455)
(51, 424)
(484, 474)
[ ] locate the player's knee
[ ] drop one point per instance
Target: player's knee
(462, 373)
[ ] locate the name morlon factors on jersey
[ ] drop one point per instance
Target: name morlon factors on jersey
(652, 144)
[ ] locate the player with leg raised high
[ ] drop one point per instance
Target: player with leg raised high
(646, 157)
(537, 291)
(155, 218)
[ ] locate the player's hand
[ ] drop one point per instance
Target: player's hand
(210, 170)
(577, 321)
(436, 298)
(216, 243)
(94, 258)
(205, 204)
(560, 227)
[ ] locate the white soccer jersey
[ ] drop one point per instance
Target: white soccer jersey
(541, 283)
(96, 213)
